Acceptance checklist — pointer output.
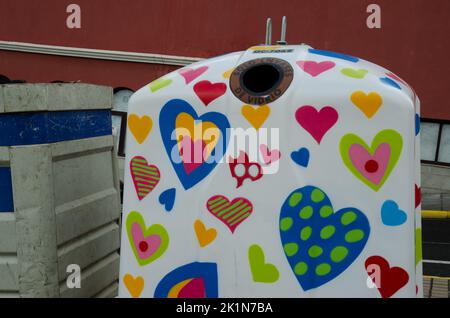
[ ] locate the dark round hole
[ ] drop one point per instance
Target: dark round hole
(261, 78)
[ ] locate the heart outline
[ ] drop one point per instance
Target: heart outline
(389, 136)
(155, 229)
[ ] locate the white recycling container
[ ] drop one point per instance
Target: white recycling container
(281, 171)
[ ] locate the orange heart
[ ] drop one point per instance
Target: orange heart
(204, 236)
(367, 103)
(256, 116)
(140, 127)
(134, 285)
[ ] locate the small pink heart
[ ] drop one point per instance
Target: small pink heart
(317, 123)
(192, 153)
(145, 246)
(372, 167)
(191, 74)
(268, 155)
(314, 68)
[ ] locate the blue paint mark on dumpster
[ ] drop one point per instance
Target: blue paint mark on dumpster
(20, 129)
(6, 193)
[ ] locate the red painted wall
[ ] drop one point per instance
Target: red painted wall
(413, 41)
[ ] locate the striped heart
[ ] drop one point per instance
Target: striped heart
(230, 213)
(145, 176)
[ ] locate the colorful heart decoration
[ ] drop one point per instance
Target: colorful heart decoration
(191, 74)
(148, 244)
(269, 156)
(158, 84)
(204, 236)
(336, 55)
(388, 279)
(417, 118)
(185, 136)
(145, 177)
(167, 199)
(320, 244)
(194, 280)
(316, 123)
(135, 286)
(391, 215)
(315, 68)
(358, 74)
(140, 127)
(227, 73)
(257, 115)
(242, 168)
(372, 165)
(390, 82)
(262, 272)
(417, 196)
(208, 92)
(418, 245)
(301, 157)
(367, 103)
(231, 213)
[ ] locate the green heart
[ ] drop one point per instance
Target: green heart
(391, 137)
(418, 245)
(154, 230)
(262, 272)
(159, 83)
(350, 72)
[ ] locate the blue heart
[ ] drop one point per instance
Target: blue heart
(335, 55)
(167, 120)
(318, 243)
(391, 82)
(167, 198)
(301, 157)
(391, 215)
(417, 124)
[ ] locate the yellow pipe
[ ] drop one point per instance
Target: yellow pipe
(429, 214)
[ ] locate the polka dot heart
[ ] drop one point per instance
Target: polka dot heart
(318, 243)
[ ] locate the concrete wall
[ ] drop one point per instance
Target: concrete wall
(66, 202)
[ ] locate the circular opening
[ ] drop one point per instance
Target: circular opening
(261, 78)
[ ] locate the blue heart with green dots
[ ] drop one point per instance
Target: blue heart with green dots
(320, 244)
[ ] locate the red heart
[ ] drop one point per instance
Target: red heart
(208, 91)
(387, 279)
(317, 123)
(418, 196)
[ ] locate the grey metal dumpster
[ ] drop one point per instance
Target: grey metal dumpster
(59, 191)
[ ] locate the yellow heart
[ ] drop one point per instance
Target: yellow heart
(186, 125)
(227, 74)
(140, 127)
(367, 103)
(256, 116)
(204, 236)
(134, 285)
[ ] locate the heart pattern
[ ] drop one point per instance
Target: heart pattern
(191, 74)
(301, 157)
(159, 84)
(262, 272)
(208, 92)
(167, 199)
(145, 177)
(390, 82)
(367, 103)
(316, 123)
(192, 132)
(387, 279)
(320, 244)
(231, 213)
(140, 127)
(135, 286)
(358, 74)
(269, 156)
(391, 215)
(256, 116)
(148, 244)
(204, 236)
(315, 68)
(372, 165)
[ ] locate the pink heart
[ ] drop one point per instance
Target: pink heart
(192, 153)
(317, 123)
(145, 246)
(313, 68)
(269, 156)
(190, 74)
(372, 167)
